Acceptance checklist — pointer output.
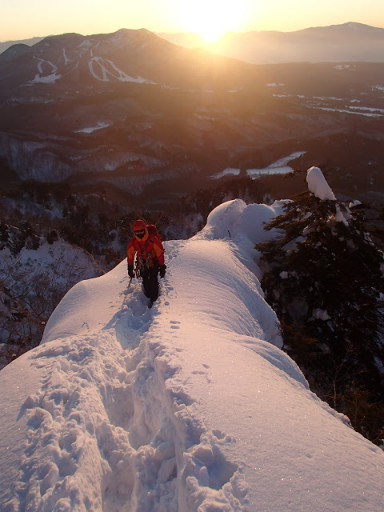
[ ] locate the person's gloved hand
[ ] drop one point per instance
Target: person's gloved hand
(162, 270)
(131, 272)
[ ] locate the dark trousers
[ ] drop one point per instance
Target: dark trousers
(150, 283)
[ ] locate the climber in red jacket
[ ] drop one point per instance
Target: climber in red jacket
(145, 258)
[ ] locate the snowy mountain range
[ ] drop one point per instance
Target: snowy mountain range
(64, 93)
(191, 405)
(131, 110)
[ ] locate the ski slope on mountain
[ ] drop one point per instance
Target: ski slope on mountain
(188, 406)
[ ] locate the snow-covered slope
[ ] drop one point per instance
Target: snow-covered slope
(32, 281)
(188, 406)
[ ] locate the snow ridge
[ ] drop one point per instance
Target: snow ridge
(107, 409)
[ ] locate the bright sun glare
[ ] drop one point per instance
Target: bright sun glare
(211, 19)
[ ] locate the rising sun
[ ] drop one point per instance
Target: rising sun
(211, 19)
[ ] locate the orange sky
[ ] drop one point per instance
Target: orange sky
(21, 19)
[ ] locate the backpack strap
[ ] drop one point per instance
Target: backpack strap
(145, 255)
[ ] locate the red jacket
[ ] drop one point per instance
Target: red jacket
(149, 249)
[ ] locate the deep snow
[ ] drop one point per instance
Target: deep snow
(188, 406)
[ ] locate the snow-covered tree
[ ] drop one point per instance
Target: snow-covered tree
(324, 278)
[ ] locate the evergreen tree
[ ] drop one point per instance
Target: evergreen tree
(324, 278)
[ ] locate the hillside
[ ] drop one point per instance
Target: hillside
(188, 406)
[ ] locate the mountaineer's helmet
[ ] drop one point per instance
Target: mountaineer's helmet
(140, 229)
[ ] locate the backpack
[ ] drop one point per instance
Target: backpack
(152, 230)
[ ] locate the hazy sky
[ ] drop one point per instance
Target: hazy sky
(21, 19)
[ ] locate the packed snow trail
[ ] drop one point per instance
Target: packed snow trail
(190, 406)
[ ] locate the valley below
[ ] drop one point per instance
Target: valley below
(156, 121)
